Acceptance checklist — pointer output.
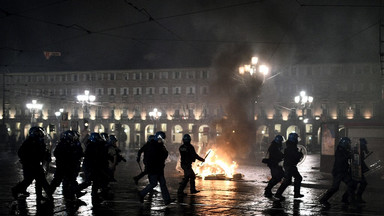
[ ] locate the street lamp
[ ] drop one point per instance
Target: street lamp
(58, 114)
(253, 68)
(34, 107)
(155, 115)
(86, 99)
(304, 101)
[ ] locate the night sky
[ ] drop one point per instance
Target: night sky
(132, 34)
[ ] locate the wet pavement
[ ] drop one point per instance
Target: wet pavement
(217, 197)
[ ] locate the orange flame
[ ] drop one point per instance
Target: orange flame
(215, 165)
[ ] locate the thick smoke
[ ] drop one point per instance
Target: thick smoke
(237, 93)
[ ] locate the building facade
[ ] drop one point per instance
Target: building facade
(348, 94)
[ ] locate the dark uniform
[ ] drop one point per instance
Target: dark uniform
(143, 149)
(341, 172)
(68, 154)
(114, 157)
(95, 166)
(292, 157)
(188, 156)
(156, 154)
(362, 184)
(33, 153)
(275, 157)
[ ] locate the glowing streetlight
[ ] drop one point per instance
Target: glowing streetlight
(85, 100)
(34, 107)
(254, 68)
(305, 102)
(155, 115)
(58, 114)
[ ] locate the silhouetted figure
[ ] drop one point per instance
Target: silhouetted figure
(95, 166)
(33, 153)
(114, 157)
(341, 172)
(143, 149)
(275, 157)
(292, 157)
(362, 184)
(188, 156)
(156, 154)
(68, 154)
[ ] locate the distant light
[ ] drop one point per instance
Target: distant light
(241, 70)
(297, 99)
(254, 60)
(264, 69)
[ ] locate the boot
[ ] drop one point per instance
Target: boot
(268, 193)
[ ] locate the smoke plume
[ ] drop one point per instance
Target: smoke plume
(237, 93)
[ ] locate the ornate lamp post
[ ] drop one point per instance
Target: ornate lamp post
(254, 68)
(58, 114)
(155, 115)
(85, 100)
(33, 108)
(304, 101)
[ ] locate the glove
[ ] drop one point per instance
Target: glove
(138, 159)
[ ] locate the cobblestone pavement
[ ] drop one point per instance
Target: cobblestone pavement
(217, 197)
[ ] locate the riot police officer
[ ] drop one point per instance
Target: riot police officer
(114, 157)
(275, 157)
(188, 156)
(292, 157)
(341, 172)
(33, 153)
(151, 138)
(156, 154)
(68, 154)
(95, 166)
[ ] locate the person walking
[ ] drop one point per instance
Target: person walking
(143, 149)
(33, 153)
(156, 154)
(341, 172)
(292, 157)
(274, 160)
(188, 156)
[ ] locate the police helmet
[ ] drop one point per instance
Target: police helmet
(151, 138)
(345, 143)
(95, 137)
(186, 138)
(36, 132)
(104, 136)
(160, 135)
(68, 136)
(112, 139)
(279, 139)
(293, 137)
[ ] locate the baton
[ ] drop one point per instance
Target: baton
(140, 166)
(205, 157)
(368, 155)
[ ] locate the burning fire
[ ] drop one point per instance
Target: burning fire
(214, 165)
